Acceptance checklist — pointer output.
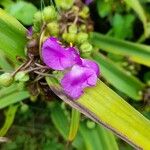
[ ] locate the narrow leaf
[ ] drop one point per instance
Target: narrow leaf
(107, 139)
(60, 120)
(74, 125)
(4, 64)
(12, 36)
(119, 78)
(91, 138)
(10, 115)
(13, 98)
(5, 91)
(136, 6)
(137, 52)
(98, 138)
(104, 106)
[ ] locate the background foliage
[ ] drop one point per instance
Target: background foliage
(121, 46)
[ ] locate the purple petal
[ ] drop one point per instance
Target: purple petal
(29, 31)
(91, 64)
(57, 57)
(87, 2)
(77, 79)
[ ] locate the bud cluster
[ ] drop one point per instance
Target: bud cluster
(6, 79)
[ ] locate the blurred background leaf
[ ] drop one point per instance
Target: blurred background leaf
(23, 11)
(12, 36)
(119, 78)
(136, 52)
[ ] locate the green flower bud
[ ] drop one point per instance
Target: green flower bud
(53, 28)
(22, 76)
(90, 124)
(33, 98)
(24, 108)
(37, 21)
(86, 49)
(69, 37)
(64, 4)
(75, 9)
(84, 12)
(81, 37)
(73, 29)
(6, 79)
(49, 14)
(37, 17)
(83, 27)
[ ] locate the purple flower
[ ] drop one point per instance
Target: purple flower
(80, 73)
(57, 57)
(80, 77)
(87, 2)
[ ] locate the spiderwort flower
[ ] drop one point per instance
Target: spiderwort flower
(80, 73)
(57, 57)
(79, 77)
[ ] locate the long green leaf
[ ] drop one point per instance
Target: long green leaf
(60, 120)
(13, 98)
(107, 139)
(10, 114)
(103, 139)
(98, 138)
(137, 52)
(115, 75)
(104, 106)
(74, 125)
(12, 36)
(136, 6)
(5, 91)
(4, 64)
(91, 138)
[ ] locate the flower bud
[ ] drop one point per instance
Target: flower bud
(86, 49)
(22, 76)
(6, 79)
(53, 28)
(49, 14)
(83, 27)
(24, 108)
(37, 21)
(75, 9)
(84, 12)
(67, 4)
(90, 124)
(37, 17)
(81, 37)
(73, 29)
(69, 37)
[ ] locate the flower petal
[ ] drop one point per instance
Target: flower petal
(87, 2)
(29, 32)
(91, 64)
(77, 79)
(57, 57)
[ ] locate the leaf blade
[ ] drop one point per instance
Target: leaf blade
(74, 124)
(115, 75)
(110, 110)
(12, 36)
(10, 115)
(137, 52)
(13, 98)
